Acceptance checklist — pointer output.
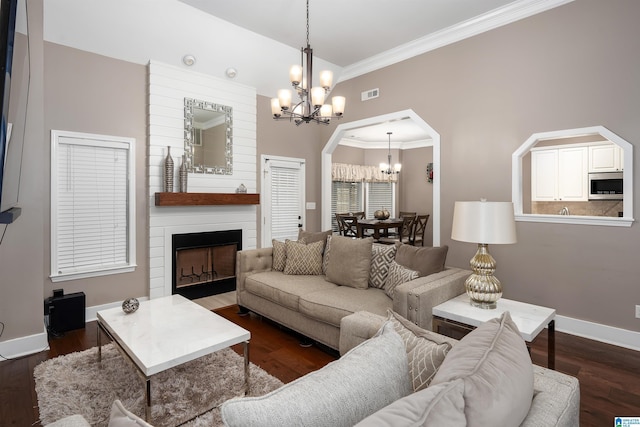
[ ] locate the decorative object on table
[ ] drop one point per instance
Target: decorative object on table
(241, 189)
(386, 167)
(483, 223)
(183, 174)
(130, 305)
(168, 172)
(429, 172)
(311, 106)
(179, 393)
(381, 214)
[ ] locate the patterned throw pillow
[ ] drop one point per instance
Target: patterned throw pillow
(397, 276)
(381, 257)
(426, 350)
(279, 255)
(303, 259)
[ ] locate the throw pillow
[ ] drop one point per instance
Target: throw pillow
(312, 237)
(426, 350)
(397, 276)
(340, 394)
(381, 257)
(302, 258)
(121, 417)
(438, 405)
(349, 262)
(495, 366)
(279, 255)
(425, 260)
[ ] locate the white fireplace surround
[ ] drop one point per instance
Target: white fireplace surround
(168, 86)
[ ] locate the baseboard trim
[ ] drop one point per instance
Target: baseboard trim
(24, 346)
(598, 332)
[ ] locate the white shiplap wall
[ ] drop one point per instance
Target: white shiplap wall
(168, 86)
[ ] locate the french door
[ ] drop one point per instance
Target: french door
(283, 198)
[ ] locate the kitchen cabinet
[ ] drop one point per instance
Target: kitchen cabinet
(560, 174)
(605, 158)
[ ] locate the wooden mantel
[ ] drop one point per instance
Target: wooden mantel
(204, 199)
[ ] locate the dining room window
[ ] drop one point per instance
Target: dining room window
(380, 195)
(345, 197)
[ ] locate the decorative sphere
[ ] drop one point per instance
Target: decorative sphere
(381, 214)
(130, 305)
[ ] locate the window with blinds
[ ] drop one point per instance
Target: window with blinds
(286, 193)
(345, 197)
(380, 195)
(92, 205)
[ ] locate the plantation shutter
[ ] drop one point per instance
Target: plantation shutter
(90, 206)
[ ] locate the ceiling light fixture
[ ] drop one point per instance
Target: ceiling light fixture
(311, 106)
(189, 60)
(386, 167)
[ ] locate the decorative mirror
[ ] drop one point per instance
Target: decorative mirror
(208, 137)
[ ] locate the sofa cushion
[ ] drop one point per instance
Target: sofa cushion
(303, 258)
(349, 261)
(438, 405)
(279, 255)
(326, 255)
(340, 394)
(495, 366)
(398, 274)
(426, 350)
(331, 305)
(285, 290)
(425, 260)
(381, 257)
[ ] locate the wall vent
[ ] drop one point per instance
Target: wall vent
(370, 94)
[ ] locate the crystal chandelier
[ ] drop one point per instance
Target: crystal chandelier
(311, 106)
(386, 167)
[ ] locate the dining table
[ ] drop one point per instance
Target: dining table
(378, 226)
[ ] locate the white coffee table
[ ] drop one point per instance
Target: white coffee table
(530, 319)
(167, 332)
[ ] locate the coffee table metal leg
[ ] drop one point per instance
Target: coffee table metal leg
(246, 367)
(551, 345)
(147, 395)
(99, 343)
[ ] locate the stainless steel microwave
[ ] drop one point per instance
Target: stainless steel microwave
(605, 186)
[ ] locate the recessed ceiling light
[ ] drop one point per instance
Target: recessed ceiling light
(189, 60)
(231, 72)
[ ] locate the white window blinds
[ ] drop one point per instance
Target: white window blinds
(345, 197)
(285, 198)
(380, 195)
(92, 205)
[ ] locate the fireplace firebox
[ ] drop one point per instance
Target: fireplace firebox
(204, 264)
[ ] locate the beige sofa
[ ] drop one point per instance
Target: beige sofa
(314, 306)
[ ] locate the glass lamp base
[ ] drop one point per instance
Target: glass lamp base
(484, 289)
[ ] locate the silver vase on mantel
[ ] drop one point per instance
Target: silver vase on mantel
(168, 172)
(184, 176)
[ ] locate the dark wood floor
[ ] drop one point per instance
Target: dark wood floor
(609, 375)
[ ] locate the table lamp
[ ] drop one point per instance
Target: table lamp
(483, 223)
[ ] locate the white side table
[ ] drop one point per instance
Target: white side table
(530, 319)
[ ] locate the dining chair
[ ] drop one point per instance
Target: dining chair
(418, 230)
(359, 215)
(347, 225)
(403, 214)
(406, 231)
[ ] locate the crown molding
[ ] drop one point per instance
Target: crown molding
(349, 142)
(496, 18)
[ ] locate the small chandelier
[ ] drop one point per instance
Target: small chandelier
(386, 167)
(311, 106)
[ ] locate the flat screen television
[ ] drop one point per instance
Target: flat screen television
(14, 88)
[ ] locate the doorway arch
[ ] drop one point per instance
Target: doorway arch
(338, 135)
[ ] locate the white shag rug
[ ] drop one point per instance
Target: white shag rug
(77, 384)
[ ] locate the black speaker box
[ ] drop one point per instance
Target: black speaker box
(66, 312)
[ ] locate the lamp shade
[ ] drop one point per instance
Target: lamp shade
(484, 222)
